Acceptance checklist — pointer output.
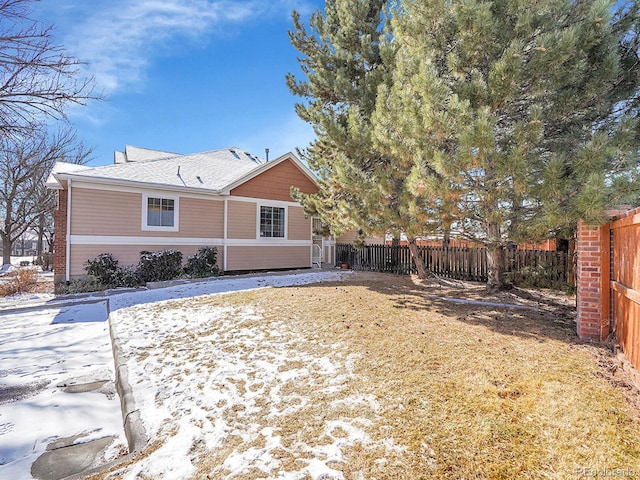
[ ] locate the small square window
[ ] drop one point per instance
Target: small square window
(160, 214)
(272, 222)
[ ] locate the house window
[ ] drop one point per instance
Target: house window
(271, 222)
(160, 213)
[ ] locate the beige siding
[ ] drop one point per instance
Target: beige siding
(104, 212)
(276, 182)
(242, 220)
(298, 227)
(127, 254)
(266, 257)
(201, 218)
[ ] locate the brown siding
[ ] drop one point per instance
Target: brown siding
(276, 182)
(201, 218)
(242, 220)
(127, 254)
(298, 227)
(265, 257)
(105, 212)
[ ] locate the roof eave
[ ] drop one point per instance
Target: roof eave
(129, 183)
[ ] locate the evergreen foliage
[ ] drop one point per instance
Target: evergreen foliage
(159, 266)
(106, 273)
(103, 268)
(203, 264)
(502, 121)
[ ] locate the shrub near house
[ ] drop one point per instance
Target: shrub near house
(104, 272)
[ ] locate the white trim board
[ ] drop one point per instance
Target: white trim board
(122, 240)
(157, 241)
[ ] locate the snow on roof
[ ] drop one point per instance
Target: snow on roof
(63, 167)
(213, 170)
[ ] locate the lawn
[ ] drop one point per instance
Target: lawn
(374, 377)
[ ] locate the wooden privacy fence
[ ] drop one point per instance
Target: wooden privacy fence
(608, 294)
(624, 284)
(531, 266)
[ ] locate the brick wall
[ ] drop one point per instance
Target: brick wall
(592, 276)
(60, 238)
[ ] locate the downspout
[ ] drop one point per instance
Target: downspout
(311, 237)
(68, 246)
(224, 239)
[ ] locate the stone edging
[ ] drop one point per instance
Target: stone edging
(134, 430)
(133, 427)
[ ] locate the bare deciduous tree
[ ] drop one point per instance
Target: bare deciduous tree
(37, 78)
(25, 163)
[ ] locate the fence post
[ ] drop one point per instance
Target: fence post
(593, 281)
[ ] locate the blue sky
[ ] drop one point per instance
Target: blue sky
(184, 76)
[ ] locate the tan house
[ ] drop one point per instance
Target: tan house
(152, 200)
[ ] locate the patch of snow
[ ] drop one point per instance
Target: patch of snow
(47, 349)
(189, 401)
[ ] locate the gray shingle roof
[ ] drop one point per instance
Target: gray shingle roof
(212, 171)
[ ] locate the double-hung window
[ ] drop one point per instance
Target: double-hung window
(160, 213)
(271, 222)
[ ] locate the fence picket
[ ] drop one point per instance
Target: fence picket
(461, 263)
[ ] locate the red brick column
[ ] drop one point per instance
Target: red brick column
(592, 277)
(60, 238)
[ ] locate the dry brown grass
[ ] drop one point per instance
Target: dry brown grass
(21, 281)
(468, 391)
(471, 392)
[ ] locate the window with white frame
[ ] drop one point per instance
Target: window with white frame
(160, 213)
(271, 222)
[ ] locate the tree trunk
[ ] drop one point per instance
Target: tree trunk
(395, 253)
(6, 249)
(496, 267)
(40, 239)
(417, 259)
(446, 240)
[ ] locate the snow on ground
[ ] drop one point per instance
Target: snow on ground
(40, 352)
(217, 378)
(184, 399)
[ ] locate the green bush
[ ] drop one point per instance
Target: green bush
(159, 266)
(203, 264)
(126, 276)
(104, 269)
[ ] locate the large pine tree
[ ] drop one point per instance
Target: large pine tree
(513, 111)
(502, 120)
(344, 67)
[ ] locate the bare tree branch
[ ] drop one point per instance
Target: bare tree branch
(25, 163)
(37, 78)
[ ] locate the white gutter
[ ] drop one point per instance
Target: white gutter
(68, 239)
(136, 184)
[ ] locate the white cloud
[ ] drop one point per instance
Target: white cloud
(119, 39)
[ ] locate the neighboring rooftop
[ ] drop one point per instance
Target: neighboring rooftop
(137, 154)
